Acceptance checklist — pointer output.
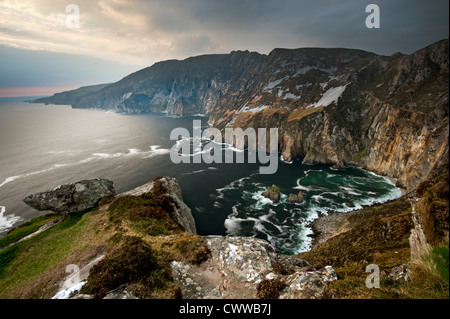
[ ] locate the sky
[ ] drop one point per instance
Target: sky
(43, 50)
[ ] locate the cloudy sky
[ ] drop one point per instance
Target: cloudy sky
(40, 53)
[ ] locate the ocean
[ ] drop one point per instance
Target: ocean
(43, 146)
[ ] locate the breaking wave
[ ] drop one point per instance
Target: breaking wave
(154, 150)
(285, 225)
(8, 221)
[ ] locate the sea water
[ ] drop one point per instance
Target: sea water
(43, 146)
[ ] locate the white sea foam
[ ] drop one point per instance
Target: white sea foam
(350, 190)
(201, 171)
(301, 187)
(305, 240)
(319, 198)
(262, 201)
(155, 150)
(284, 161)
(250, 217)
(234, 185)
(233, 224)
(8, 221)
(13, 178)
(64, 152)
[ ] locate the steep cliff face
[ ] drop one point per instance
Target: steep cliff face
(386, 114)
(195, 85)
(391, 119)
(334, 106)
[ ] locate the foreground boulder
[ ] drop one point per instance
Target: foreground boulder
(249, 268)
(73, 197)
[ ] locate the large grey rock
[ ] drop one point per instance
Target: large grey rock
(238, 264)
(73, 197)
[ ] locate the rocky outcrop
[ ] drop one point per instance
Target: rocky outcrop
(272, 193)
(181, 213)
(430, 215)
(417, 239)
(73, 197)
(295, 198)
(240, 268)
(228, 267)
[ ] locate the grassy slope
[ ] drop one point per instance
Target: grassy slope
(379, 235)
(35, 267)
(32, 268)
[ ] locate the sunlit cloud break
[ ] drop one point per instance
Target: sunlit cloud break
(144, 32)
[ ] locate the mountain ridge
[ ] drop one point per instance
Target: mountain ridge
(387, 114)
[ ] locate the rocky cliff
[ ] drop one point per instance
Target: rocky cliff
(73, 197)
(388, 114)
(143, 244)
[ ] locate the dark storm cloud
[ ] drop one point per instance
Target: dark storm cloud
(142, 32)
(162, 29)
(405, 25)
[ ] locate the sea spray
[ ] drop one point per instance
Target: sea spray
(8, 221)
(285, 225)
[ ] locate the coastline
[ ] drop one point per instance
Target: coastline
(335, 223)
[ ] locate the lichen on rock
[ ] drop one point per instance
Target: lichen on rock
(242, 267)
(73, 197)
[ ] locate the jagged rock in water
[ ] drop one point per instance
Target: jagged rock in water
(295, 198)
(236, 267)
(272, 193)
(73, 197)
(339, 165)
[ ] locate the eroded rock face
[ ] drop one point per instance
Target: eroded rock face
(238, 264)
(181, 212)
(417, 240)
(272, 193)
(73, 197)
(293, 198)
